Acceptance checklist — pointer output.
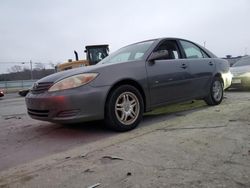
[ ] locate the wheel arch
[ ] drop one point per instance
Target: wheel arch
(219, 75)
(128, 82)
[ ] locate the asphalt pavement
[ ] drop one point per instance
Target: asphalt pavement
(200, 147)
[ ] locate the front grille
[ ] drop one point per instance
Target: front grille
(39, 113)
(41, 87)
(68, 113)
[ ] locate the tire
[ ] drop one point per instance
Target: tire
(124, 108)
(216, 92)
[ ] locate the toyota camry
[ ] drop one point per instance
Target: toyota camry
(133, 80)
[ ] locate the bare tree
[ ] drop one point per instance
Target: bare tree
(15, 68)
(52, 65)
(39, 66)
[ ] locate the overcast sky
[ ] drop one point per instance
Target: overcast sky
(50, 30)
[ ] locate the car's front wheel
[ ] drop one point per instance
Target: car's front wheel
(124, 108)
(216, 92)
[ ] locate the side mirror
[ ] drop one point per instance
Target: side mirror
(161, 54)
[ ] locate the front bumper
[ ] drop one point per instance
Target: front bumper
(68, 106)
(240, 82)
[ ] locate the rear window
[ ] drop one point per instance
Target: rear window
(192, 51)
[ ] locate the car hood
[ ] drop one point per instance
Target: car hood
(240, 70)
(64, 74)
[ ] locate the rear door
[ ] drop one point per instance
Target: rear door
(201, 68)
(167, 78)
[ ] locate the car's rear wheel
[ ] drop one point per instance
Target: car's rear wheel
(124, 108)
(216, 92)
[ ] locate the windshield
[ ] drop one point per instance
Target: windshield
(242, 62)
(129, 53)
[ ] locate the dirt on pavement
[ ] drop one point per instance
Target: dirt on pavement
(203, 147)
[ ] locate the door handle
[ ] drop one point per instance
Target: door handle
(184, 66)
(211, 63)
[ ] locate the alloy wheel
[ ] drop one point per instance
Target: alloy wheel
(217, 90)
(127, 108)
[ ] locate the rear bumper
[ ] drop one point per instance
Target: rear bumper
(69, 106)
(227, 79)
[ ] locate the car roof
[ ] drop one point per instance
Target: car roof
(212, 55)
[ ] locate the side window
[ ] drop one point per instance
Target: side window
(138, 55)
(192, 51)
(171, 47)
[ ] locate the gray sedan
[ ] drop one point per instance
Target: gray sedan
(133, 80)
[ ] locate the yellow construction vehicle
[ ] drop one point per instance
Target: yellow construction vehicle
(94, 54)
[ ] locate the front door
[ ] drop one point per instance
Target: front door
(167, 78)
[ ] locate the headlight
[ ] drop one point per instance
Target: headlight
(73, 81)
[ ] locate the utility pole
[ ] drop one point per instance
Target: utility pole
(31, 70)
(204, 44)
